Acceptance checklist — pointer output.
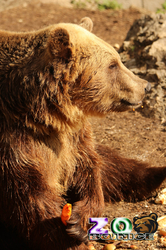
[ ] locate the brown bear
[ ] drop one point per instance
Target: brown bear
(51, 81)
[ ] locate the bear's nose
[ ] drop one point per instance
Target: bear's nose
(148, 87)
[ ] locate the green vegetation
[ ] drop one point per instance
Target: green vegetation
(132, 48)
(78, 4)
(163, 9)
(99, 4)
(106, 4)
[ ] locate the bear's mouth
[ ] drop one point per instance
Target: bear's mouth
(129, 104)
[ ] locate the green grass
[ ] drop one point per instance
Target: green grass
(78, 4)
(100, 4)
(106, 4)
(163, 9)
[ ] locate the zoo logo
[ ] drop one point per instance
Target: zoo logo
(146, 224)
(121, 228)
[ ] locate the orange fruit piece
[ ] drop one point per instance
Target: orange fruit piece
(91, 247)
(66, 213)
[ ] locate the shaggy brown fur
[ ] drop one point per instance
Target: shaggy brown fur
(50, 81)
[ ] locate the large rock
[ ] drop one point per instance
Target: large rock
(144, 53)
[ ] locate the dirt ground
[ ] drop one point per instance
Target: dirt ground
(130, 133)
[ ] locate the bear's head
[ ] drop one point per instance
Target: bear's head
(63, 73)
(146, 224)
(101, 82)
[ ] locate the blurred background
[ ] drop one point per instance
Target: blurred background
(151, 5)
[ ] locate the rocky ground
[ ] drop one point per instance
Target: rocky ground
(133, 134)
(144, 53)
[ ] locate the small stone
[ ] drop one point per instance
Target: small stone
(162, 222)
(116, 46)
(133, 247)
(109, 247)
(162, 232)
(161, 198)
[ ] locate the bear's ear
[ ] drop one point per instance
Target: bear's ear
(59, 43)
(135, 218)
(86, 23)
(153, 216)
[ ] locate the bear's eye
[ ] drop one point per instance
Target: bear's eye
(113, 66)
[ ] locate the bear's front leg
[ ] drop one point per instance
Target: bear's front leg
(127, 179)
(86, 196)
